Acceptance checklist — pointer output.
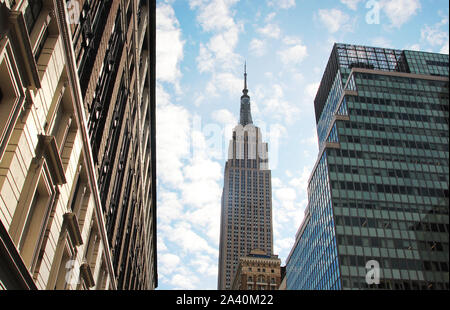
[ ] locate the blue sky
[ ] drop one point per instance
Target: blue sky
(201, 49)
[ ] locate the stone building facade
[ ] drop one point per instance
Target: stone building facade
(258, 271)
(57, 230)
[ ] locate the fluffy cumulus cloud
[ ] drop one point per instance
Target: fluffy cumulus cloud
(224, 117)
(289, 204)
(382, 41)
(169, 45)
(270, 30)
(272, 103)
(282, 4)
(334, 20)
(224, 82)
(444, 49)
(400, 11)
(436, 35)
(173, 138)
(351, 4)
(257, 47)
(294, 52)
(311, 90)
(227, 121)
(188, 216)
(190, 242)
(169, 261)
(216, 17)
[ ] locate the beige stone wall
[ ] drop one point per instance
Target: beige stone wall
(257, 274)
(37, 182)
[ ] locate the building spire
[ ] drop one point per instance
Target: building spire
(245, 114)
(245, 75)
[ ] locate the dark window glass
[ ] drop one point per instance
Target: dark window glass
(31, 13)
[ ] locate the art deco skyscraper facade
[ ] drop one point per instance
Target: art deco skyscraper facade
(246, 214)
(77, 144)
(378, 195)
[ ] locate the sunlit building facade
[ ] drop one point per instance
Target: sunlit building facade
(77, 164)
(378, 209)
(258, 271)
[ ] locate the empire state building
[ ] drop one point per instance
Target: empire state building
(246, 215)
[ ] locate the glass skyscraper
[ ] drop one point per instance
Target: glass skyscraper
(378, 208)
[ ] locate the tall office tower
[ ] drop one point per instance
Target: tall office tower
(114, 51)
(378, 210)
(246, 216)
(83, 77)
(52, 233)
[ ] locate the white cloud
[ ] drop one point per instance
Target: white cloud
(205, 59)
(222, 46)
(311, 90)
(400, 11)
(351, 4)
(270, 30)
(224, 117)
(444, 49)
(289, 202)
(271, 103)
(334, 19)
(216, 18)
(301, 182)
(224, 82)
(173, 138)
(169, 45)
(382, 42)
(293, 55)
(283, 245)
(161, 244)
(204, 265)
(282, 4)
(187, 240)
(276, 182)
(257, 47)
(413, 47)
(214, 15)
(170, 207)
(287, 195)
(270, 17)
(202, 174)
(228, 121)
(436, 35)
(207, 219)
(169, 262)
(183, 281)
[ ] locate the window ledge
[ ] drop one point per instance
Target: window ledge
(21, 40)
(86, 272)
(73, 228)
(53, 159)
